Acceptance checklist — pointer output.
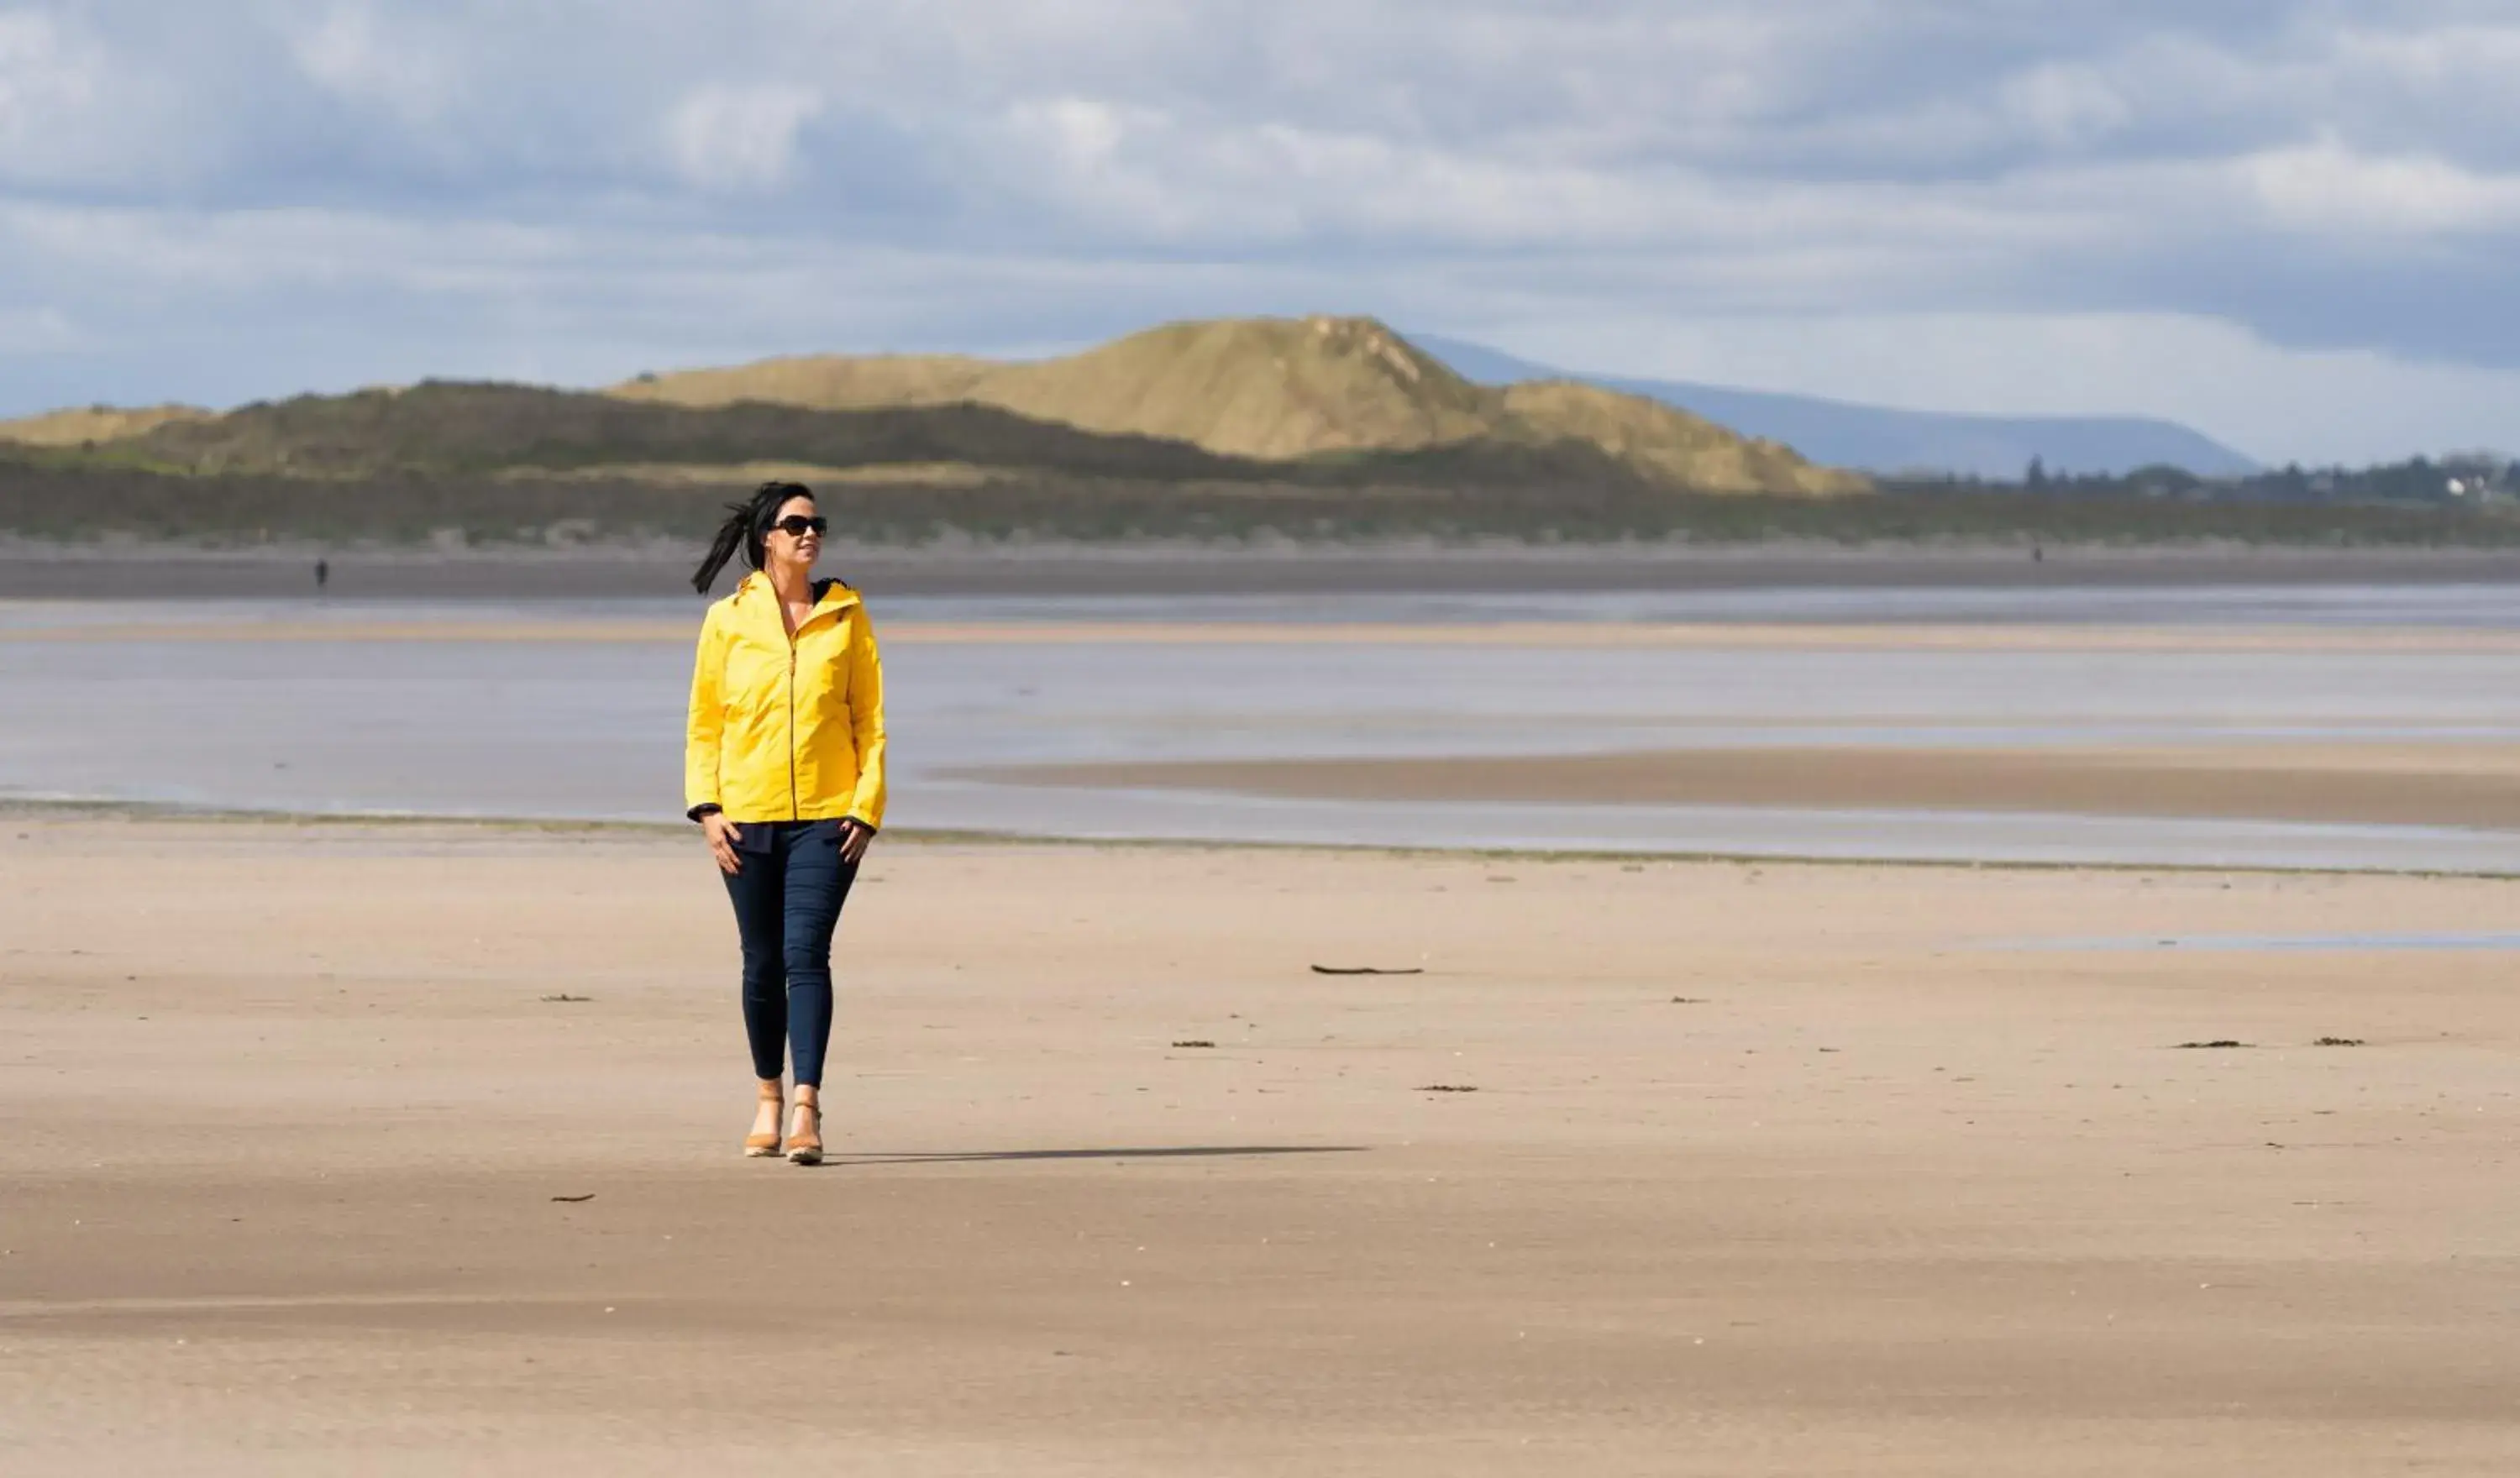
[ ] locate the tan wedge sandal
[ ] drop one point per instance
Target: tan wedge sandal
(761, 1146)
(806, 1149)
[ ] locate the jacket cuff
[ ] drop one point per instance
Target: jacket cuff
(704, 808)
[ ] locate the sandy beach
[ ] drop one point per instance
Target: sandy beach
(412, 1149)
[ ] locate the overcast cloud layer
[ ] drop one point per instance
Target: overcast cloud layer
(2290, 224)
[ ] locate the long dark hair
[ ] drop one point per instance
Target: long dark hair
(747, 524)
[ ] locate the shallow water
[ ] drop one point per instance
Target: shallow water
(577, 729)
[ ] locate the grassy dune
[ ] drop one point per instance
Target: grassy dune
(1281, 390)
(85, 425)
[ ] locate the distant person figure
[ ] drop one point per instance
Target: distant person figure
(323, 573)
(783, 768)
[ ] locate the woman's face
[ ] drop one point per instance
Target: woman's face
(781, 547)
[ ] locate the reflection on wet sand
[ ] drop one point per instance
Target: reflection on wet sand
(2374, 784)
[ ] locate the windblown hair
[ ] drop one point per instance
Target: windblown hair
(747, 524)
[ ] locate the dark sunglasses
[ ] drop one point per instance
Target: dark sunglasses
(797, 526)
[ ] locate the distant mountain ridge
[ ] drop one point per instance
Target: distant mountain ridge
(1889, 443)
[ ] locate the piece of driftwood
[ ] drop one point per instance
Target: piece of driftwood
(1362, 970)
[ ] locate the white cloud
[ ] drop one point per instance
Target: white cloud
(2066, 106)
(738, 138)
(150, 252)
(357, 56)
(1082, 134)
(46, 82)
(2328, 187)
(38, 331)
(2464, 68)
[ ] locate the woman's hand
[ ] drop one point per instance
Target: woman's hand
(855, 835)
(722, 836)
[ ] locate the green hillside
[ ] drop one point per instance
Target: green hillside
(440, 427)
(47, 496)
(828, 383)
(1314, 402)
(505, 431)
(1283, 390)
(1665, 443)
(85, 425)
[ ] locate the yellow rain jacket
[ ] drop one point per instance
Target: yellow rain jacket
(781, 730)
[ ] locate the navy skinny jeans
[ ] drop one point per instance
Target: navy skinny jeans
(786, 903)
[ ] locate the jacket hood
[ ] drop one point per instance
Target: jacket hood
(836, 593)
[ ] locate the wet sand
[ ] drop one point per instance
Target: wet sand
(94, 571)
(1894, 1190)
(2407, 785)
(57, 622)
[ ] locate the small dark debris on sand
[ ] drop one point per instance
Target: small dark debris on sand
(575, 1200)
(2218, 1043)
(1363, 970)
(1689, 1000)
(2338, 1042)
(565, 998)
(1448, 1088)
(1193, 1042)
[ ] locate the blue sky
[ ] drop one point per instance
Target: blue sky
(2291, 224)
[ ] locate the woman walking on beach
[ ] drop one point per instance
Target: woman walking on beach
(783, 771)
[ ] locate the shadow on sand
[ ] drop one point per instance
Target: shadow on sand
(1182, 1152)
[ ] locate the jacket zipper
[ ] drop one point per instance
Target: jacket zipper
(795, 804)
